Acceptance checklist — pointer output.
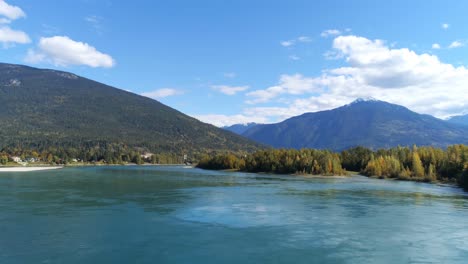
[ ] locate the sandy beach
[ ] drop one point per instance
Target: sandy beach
(26, 169)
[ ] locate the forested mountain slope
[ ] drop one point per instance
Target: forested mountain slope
(368, 123)
(42, 108)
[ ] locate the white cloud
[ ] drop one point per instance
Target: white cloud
(10, 12)
(92, 19)
(50, 30)
(9, 36)
(230, 75)
(296, 107)
(228, 120)
(330, 32)
(332, 55)
(420, 82)
(292, 42)
(304, 39)
(445, 26)
(294, 57)
(95, 22)
(289, 84)
(162, 93)
(229, 90)
(455, 44)
(263, 96)
(287, 43)
(435, 46)
(63, 51)
(34, 57)
(5, 20)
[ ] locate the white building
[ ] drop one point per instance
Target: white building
(16, 159)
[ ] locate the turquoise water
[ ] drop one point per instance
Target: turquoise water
(184, 215)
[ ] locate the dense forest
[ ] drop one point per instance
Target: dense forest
(46, 110)
(416, 164)
(104, 153)
(282, 161)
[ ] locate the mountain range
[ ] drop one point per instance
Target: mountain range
(240, 128)
(42, 108)
(460, 119)
(370, 123)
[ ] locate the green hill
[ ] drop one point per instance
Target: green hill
(42, 108)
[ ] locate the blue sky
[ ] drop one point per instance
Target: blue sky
(228, 62)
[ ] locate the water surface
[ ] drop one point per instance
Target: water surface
(182, 215)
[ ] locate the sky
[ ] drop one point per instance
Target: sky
(228, 62)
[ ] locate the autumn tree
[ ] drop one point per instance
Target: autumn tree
(417, 167)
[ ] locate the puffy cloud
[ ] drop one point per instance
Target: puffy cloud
(289, 84)
(330, 32)
(229, 90)
(10, 12)
(436, 46)
(455, 44)
(63, 51)
(445, 26)
(374, 64)
(8, 36)
(263, 96)
(228, 120)
(162, 93)
(420, 82)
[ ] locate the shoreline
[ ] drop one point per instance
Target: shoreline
(323, 176)
(350, 174)
(28, 169)
(48, 167)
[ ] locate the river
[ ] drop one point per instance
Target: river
(159, 214)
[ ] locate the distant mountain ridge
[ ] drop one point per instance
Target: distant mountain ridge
(240, 128)
(460, 119)
(42, 108)
(364, 122)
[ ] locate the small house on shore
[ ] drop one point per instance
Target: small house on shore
(16, 159)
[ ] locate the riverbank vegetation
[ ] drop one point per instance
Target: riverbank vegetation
(417, 163)
(427, 164)
(103, 153)
(281, 161)
(404, 163)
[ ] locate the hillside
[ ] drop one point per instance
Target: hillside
(42, 108)
(369, 123)
(461, 120)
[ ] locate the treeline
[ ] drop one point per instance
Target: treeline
(404, 163)
(281, 161)
(106, 153)
(417, 164)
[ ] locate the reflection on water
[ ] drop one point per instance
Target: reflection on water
(179, 215)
